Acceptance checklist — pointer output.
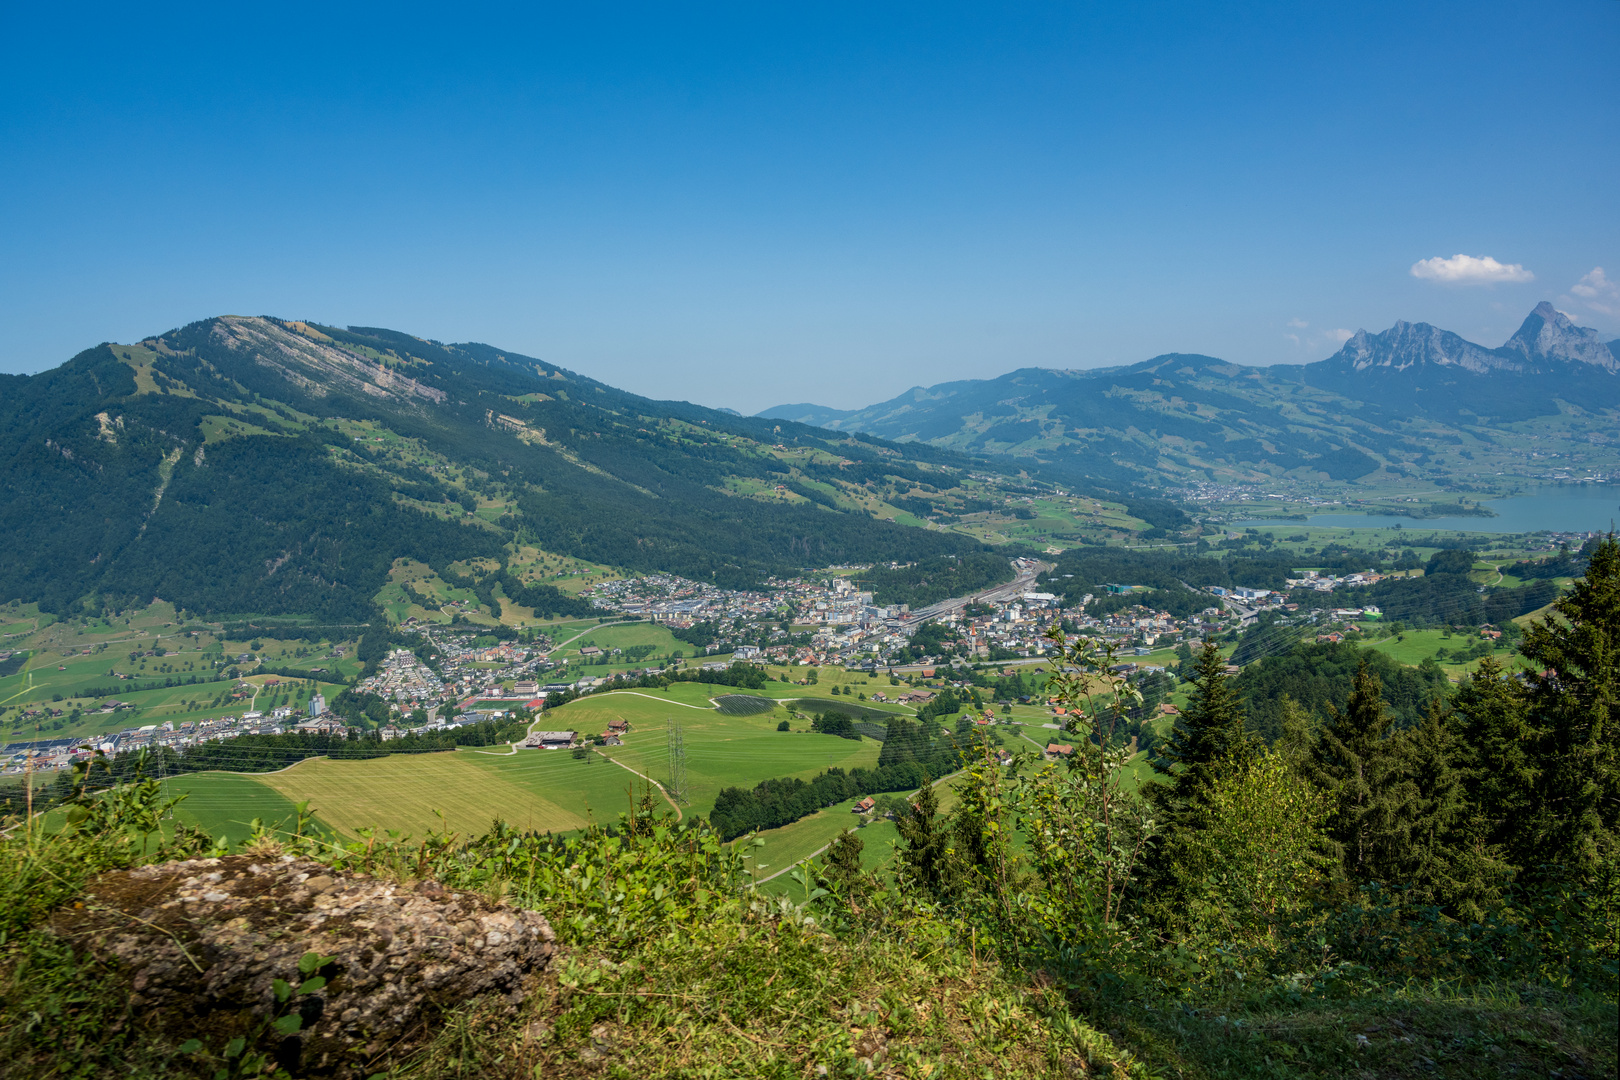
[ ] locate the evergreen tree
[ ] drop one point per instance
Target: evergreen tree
(1357, 763)
(842, 865)
(1498, 760)
(1449, 862)
(1575, 704)
(926, 853)
(1294, 745)
(1210, 734)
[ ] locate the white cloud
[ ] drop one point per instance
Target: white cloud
(1598, 292)
(1298, 324)
(1341, 335)
(1469, 270)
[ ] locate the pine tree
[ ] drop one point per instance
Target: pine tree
(926, 853)
(842, 865)
(1211, 732)
(1449, 861)
(1357, 763)
(1576, 706)
(1498, 760)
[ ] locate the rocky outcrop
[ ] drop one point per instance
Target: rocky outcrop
(202, 943)
(1408, 345)
(1548, 340)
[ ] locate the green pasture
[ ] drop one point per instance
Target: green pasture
(551, 790)
(224, 804)
(460, 791)
(625, 636)
(792, 843)
(721, 751)
(879, 841)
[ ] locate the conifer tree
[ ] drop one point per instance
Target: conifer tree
(1209, 734)
(1575, 704)
(1499, 762)
(842, 864)
(1449, 861)
(926, 853)
(1293, 746)
(1357, 763)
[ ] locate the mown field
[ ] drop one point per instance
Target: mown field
(546, 790)
(225, 804)
(721, 751)
(459, 791)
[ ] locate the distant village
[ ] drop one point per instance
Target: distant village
(809, 622)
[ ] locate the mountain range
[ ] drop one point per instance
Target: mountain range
(1390, 400)
(265, 466)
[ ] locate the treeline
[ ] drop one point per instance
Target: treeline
(1444, 596)
(266, 753)
(261, 754)
(314, 633)
(931, 580)
(739, 674)
(833, 723)
(548, 601)
(774, 803)
(1316, 676)
(1456, 797)
(913, 754)
(1564, 564)
(1167, 575)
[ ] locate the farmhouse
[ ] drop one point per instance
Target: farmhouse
(1056, 750)
(865, 806)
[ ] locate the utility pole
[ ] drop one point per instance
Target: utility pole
(677, 761)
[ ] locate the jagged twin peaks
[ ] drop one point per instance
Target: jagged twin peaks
(1547, 343)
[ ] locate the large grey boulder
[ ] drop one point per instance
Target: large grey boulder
(201, 944)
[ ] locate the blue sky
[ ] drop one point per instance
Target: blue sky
(753, 204)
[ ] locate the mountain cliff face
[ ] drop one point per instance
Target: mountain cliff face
(256, 465)
(1549, 339)
(1406, 345)
(1547, 343)
(1184, 417)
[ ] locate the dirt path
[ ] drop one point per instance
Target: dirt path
(824, 847)
(644, 776)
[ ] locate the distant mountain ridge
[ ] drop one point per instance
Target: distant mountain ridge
(1180, 415)
(1545, 344)
(269, 466)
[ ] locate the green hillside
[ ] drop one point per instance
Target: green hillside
(253, 465)
(1412, 405)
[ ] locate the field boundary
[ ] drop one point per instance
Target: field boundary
(673, 805)
(820, 850)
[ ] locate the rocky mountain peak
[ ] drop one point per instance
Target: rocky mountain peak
(1406, 345)
(1548, 335)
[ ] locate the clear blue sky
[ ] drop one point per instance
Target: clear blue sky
(752, 204)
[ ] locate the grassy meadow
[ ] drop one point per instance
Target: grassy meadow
(78, 665)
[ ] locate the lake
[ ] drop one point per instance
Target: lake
(1575, 508)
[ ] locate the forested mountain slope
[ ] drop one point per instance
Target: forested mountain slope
(1383, 401)
(265, 466)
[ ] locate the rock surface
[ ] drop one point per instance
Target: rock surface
(202, 942)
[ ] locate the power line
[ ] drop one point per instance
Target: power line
(677, 761)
